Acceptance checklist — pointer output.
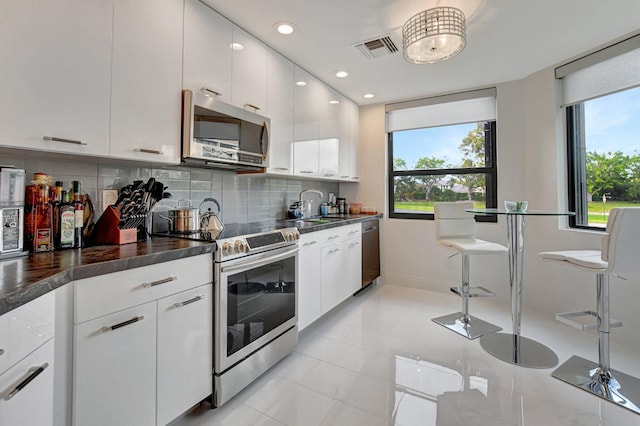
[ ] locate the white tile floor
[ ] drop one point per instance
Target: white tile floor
(378, 359)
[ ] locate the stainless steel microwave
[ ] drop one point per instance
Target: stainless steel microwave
(220, 135)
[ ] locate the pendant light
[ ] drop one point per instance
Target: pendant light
(434, 35)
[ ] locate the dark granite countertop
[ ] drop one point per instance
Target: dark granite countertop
(320, 223)
(23, 279)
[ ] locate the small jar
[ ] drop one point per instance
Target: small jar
(324, 209)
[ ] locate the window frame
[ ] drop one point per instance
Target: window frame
(490, 170)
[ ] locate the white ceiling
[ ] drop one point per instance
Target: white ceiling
(506, 39)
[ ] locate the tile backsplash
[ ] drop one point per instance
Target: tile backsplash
(243, 197)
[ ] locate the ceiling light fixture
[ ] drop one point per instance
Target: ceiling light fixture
(434, 35)
(285, 28)
(237, 46)
(301, 83)
(334, 102)
(369, 95)
(342, 74)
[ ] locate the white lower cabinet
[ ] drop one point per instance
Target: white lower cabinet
(148, 363)
(330, 270)
(115, 369)
(33, 404)
(185, 351)
(27, 363)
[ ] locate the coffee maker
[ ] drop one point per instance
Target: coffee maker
(11, 212)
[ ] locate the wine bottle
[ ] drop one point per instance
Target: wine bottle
(67, 223)
(78, 205)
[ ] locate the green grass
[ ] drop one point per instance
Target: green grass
(426, 206)
(599, 213)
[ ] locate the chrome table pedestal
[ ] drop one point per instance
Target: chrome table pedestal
(514, 348)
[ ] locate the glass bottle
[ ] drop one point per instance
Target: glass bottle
(78, 205)
(43, 235)
(65, 238)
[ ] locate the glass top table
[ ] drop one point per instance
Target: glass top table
(512, 347)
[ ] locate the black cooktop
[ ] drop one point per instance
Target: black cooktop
(230, 231)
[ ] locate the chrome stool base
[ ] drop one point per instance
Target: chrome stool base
(519, 350)
(620, 388)
(472, 329)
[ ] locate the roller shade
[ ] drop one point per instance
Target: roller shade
(458, 108)
(606, 71)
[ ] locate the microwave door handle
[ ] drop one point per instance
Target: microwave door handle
(266, 136)
(245, 266)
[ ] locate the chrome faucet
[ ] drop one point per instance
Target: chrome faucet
(306, 209)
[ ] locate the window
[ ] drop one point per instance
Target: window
(602, 104)
(442, 149)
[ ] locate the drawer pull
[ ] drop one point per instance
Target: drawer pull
(123, 324)
(149, 151)
(55, 139)
(213, 92)
(310, 243)
(353, 232)
(307, 172)
(254, 107)
(162, 281)
(281, 168)
(188, 302)
(353, 244)
(34, 373)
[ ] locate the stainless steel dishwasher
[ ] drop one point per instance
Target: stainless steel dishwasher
(370, 252)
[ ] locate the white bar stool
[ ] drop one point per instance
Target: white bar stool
(456, 229)
(618, 258)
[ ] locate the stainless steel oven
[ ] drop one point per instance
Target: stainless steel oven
(255, 316)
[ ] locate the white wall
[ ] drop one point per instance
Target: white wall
(531, 165)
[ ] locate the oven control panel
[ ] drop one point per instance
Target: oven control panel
(232, 248)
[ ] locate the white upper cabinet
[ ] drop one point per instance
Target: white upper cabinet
(344, 137)
(354, 141)
(146, 80)
(280, 92)
(306, 118)
(249, 67)
(207, 50)
(56, 72)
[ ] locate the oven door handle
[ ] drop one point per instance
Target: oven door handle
(257, 263)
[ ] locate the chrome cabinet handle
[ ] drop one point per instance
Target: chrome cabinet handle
(188, 302)
(280, 168)
(1, 351)
(307, 172)
(256, 108)
(329, 174)
(334, 251)
(149, 151)
(353, 244)
(344, 177)
(35, 373)
(56, 139)
(162, 281)
(122, 324)
(310, 243)
(333, 237)
(213, 92)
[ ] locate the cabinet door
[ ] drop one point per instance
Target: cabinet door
(354, 141)
(344, 161)
(114, 381)
(280, 89)
(249, 65)
(207, 50)
(305, 158)
(332, 276)
(185, 345)
(146, 80)
(306, 121)
(56, 71)
(352, 266)
(33, 404)
(328, 158)
(309, 277)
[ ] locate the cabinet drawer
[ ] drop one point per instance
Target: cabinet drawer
(33, 404)
(104, 294)
(26, 328)
(338, 234)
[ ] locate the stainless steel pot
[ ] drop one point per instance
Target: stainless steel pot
(184, 219)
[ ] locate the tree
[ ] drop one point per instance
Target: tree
(608, 174)
(472, 148)
(404, 185)
(426, 163)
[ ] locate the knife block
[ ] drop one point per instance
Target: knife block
(107, 230)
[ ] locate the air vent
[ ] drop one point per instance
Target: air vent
(377, 47)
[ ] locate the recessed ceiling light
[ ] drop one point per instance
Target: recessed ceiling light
(342, 74)
(334, 102)
(237, 46)
(369, 95)
(285, 28)
(301, 83)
